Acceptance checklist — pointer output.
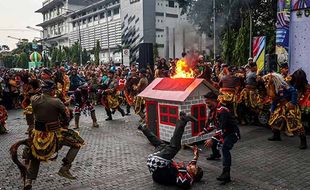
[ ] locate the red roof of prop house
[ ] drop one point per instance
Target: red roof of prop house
(173, 89)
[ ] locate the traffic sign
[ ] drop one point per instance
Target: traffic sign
(126, 54)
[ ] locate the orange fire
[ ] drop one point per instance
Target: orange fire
(183, 70)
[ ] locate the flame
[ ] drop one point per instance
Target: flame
(183, 70)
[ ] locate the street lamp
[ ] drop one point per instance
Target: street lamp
(38, 30)
(80, 38)
(214, 38)
(106, 11)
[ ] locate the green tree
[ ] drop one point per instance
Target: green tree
(8, 61)
(23, 60)
(85, 56)
(75, 53)
(54, 52)
(241, 49)
(230, 17)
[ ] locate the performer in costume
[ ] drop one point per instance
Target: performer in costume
(63, 84)
(84, 105)
(249, 95)
(139, 102)
(300, 82)
(34, 88)
(285, 112)
(161, 165)
(285, 73)
(49, 135)
(129, 92)
(75, 80)
(229, 86)
(110, 99)
(3, 118)
(226, 135)
(212, 124)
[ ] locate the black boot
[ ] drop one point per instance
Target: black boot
(303, 142)
(214, 157)
(276, 136)
(109, 118)
(109, 114)
(121, 111)
(225, 176)
(127, 110)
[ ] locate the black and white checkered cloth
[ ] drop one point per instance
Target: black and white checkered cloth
(154, 162)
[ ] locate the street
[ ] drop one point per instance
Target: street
(114, 157)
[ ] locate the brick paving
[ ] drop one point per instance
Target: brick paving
(115, 158)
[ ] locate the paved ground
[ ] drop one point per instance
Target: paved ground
(115, 158)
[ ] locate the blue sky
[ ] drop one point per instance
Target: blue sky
(17, 14)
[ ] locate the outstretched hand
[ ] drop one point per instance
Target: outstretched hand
(209, 143)
(196, 152)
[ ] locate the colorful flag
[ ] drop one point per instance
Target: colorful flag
(300, 4)
(259, 46)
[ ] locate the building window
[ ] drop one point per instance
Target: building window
(199, 112)
(116, 11)
(84, 21)
(101, 15)
(133, 1)
(109, 13)
(95, 17)
(168, 114)
(171, 4)
(89, 19)
(172, 15)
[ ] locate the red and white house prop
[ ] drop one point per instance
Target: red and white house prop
(167, 97)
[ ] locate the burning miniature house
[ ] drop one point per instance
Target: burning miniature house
(167, 97)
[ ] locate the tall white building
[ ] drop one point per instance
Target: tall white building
(99, 21)
(55, 22)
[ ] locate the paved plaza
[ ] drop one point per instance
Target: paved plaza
(115, 158)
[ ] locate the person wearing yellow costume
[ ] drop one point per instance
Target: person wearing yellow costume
(139, 102)
(229, 86)
(62, 81)
(110, 99)
(285, 112)
(50, 133)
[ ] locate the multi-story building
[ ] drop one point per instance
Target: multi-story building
(159, 22)
(55, 25)
(99, 21)
(118, 23)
